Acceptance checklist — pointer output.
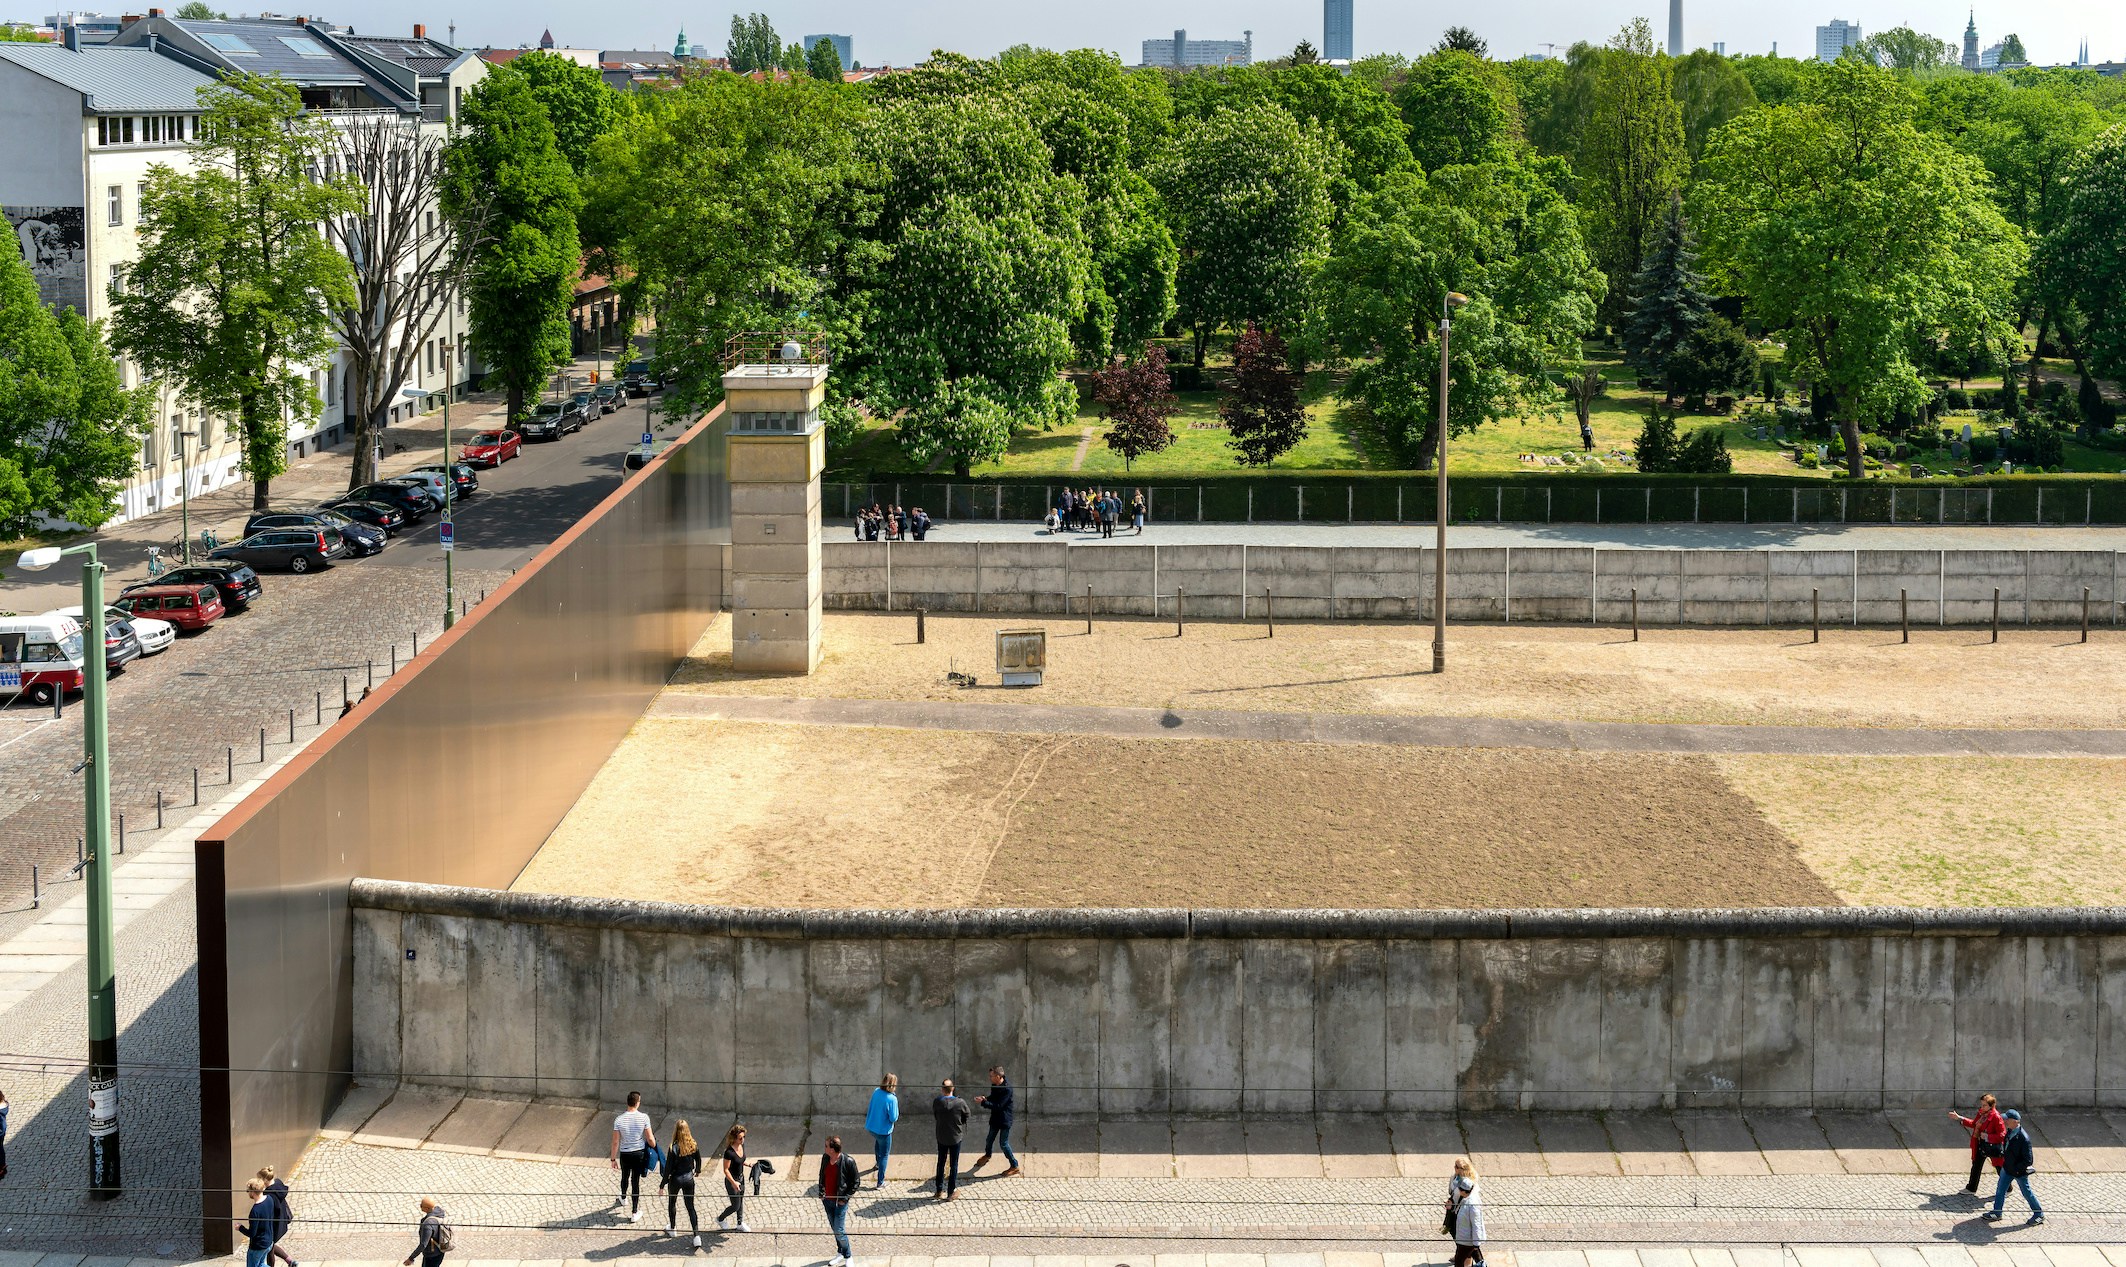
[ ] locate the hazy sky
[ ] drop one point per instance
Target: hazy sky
(901, 32)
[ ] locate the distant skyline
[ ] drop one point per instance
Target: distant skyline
(905, 32)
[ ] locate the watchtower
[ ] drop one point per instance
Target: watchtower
(773, 384)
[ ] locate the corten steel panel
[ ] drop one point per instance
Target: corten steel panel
(453, 772)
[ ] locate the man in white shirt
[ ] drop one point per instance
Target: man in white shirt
(633, 1138)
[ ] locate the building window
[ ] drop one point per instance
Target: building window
(140, 199)
(117, 280)
(147, 451)
(114, 204)
(457, 98)
(206, 431)
(431, 352)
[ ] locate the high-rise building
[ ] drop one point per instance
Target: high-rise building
(1336, 30)
(1183, 51)
(844, 48)
(1719, 48)
(1675, 28)
(1832, 41)
(1971, 42)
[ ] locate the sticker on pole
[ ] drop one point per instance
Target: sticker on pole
(447, 531)
(103, 1106)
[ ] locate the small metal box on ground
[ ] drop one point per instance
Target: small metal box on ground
(1022, 655)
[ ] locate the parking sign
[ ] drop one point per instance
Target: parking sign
(447, 531)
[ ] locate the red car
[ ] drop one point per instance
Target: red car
(189, 607)
(491, 448)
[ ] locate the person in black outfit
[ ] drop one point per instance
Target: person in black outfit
(998, 1102)
(677, 1180)
(951, 1114)
(837, 1179)
(732, 1158)
(283, 1213)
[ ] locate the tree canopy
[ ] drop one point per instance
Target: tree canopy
(1632, 157)
(69, 428)
(753, 45)
(578, 102)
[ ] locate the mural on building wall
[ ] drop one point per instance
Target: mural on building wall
(53, 242)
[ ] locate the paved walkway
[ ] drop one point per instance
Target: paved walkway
(1373, 728)
(1621, 536)
(755, 1252)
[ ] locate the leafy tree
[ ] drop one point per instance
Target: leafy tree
(1461, 39)
(1247, 193)
(2086, 250)
(1140, 96)
(1655, 449)
(1668, 299)
(196, 11)
(1263, 417)
(1583, 387)
(232, 296)
(1715, 360)
(578, 102)
(1363, 123)
(1459, 109)
(1775, 80)
(68, 429)
(504, 159)
(1843, 222)
(2012, 53)
(1139, 398)
(16, 33)
(1537, 85)
(1710, 90)
(1705, 453)
(753, 45)
(823, 62)
(1902, 48)
(1304, 54)
(1632, 158)
(1558, 127)
(792, 61)
(985, 269)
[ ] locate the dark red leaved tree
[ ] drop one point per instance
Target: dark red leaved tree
(1263, 416)
(1139, 398)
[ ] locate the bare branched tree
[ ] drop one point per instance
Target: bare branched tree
(409, 261)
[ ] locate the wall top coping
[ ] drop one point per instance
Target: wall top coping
(1178, 923)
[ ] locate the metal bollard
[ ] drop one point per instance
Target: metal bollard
(121, 833)
(262, 745)
(372, 673)
(1904, 616)
(345, 698)
(1996, 613)
(158, 809)
(36, 893)
(1179, 596)
(1269, 616)
(416, 645)
(291, 725)
(919, 630)
(1634, 613)
(394, 657)
(58, 703)
(230, 756)
(318, 719)
(1088, 609)
(2085, 613)
(195, 787)
(1815, 615)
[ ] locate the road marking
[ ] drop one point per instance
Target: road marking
(27, 733)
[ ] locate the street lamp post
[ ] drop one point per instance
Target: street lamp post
(105, 1176)
(184, 494)
(1452, 301)
(448, 532)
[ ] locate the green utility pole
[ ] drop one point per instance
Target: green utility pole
(105, 1175)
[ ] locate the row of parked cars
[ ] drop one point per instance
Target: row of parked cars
(553, 419)
(46, 652)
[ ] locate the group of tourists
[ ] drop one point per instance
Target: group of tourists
(892, 523)
(1095, 510)
(635, 1154)
(1998, 1137)
(265, 1225)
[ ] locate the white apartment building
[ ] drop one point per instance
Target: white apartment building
(1181, 51)
(1833, 40)
(79, 129)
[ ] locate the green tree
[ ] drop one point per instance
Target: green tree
(1140, 95)
(2086, 250)
(1247, 194)
(1668, 299)
(1559, 126)
(1842, 222)
(1460, 39)
(792, 61)
(503, 158)
(1632, 158)
(232, 296)
(1705, 453)
(1139, 397)
(196, 11)
(16, 33)
(1459, 109)
(1263, 416)
(68, 430)
(986, 266)
(1655, 450)
(2012, 53)
(753, 45)
(1774, 80)
(1537, 86)
(1902, 48)
(1709, 90)
(823, 62)
(1716, 360)
(578, 101)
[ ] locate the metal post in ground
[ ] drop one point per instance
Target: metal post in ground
(36, 894)
(229, 757)
(1634, 613)
(372, 675)
(1904, 616)
(416, 646)
(1996, 612)
(121, 833)
(1815, 615)
(291, 725)
(262, 745)
(1088, 609)
(318, 710)
(59, 704)
(1179, 595)
(195, 787)
(2085, 613)
(345, 699)
(1269, 617)
(919, 632)
(158, 809)
(394, 658)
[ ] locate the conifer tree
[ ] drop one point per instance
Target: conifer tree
(1668, 299)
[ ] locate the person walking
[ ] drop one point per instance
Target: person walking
(732, 1158)
(257, 1227)
(283, 1213)
(633, 1138)
(880, 1118)
(2018, 1160)
(950, 1111)
(1465, 1214)
(3, 1134)
(1136, 511)
(1988, 1128)
(677, 1180)
(999, 1104)
(433, 1238)
(837, 1181)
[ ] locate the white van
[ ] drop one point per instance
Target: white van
(40, 656)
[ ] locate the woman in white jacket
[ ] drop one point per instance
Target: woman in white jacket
(1465, 1211)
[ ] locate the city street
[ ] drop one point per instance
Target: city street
(203, 703)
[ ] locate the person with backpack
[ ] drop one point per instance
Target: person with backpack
(283, 1213)
(950, 1112)
(257, 1227)
(1465, 1214)
(999, 1104)
(676, 1178)
(434, 1239)
(883, 1114)
(2018, 1160)
(733, 1159)
(1988, 1129)
(633, 1138)
(837, 1181)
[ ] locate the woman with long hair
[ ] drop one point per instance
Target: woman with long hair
(681, 1164)
(880, 1117)
(733, 1154)
(1465, 1214)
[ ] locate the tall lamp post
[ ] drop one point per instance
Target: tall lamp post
(104, 1172)
(448, 533)
(184, 493)
(1452, 301)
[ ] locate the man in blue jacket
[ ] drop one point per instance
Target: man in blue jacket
(2018, 1159)
(999, 1104)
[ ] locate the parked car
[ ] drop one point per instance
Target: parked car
(491, 448)
(121, 646)
(155, 636)
(608, 397)
(547, 421)
(430, 482)
(584, 407)
(235, 582)
(375, 514)
(410, 502)
(189, 607)
(636, 379)
(636, 459)
(461, 473)
(362, 539)
(296, 549)
(48, 652)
